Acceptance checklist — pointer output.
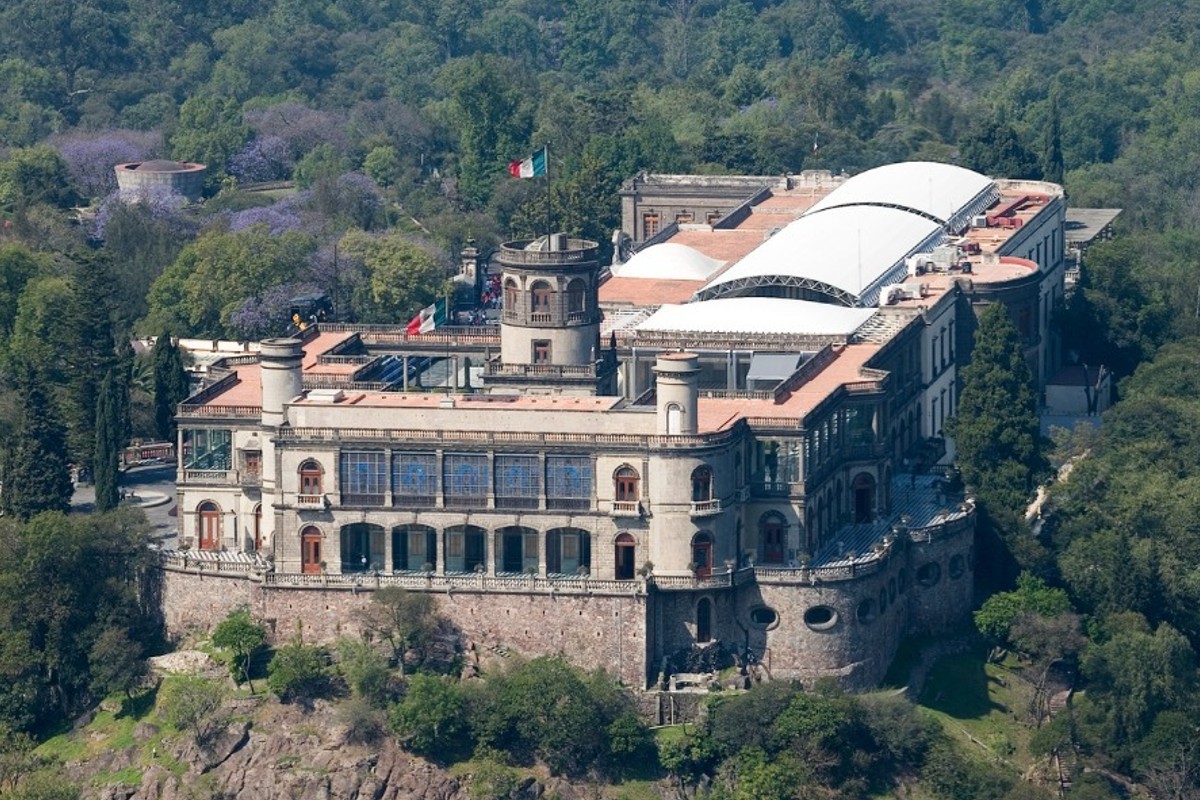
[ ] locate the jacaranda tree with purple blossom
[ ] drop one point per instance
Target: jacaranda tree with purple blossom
(91, 157)
(269, 313)
(264, 158)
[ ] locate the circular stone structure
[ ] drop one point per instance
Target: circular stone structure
(139, 177)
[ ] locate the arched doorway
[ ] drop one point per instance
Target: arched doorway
(466, 548)
(208, 521)
(310, 550)
(414, 547)
(772, 538)
(517, 550)
(702, 554)
(864, 498)
(568, 551)
(623, 557)
(362, 547)
(703, 621)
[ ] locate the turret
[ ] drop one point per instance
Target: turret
(281, 361)
(678, 391)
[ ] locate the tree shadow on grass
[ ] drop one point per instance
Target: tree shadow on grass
(958, 686)
(139, 705)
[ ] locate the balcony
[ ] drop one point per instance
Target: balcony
(770, 489)
(210, 477)
(312, 502)
(706, 508)
(626, 508)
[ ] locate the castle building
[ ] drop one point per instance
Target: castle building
(735, 438)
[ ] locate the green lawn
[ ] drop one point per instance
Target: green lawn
(985, 706)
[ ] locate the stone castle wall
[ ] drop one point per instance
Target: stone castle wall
(799, 628)
(592, 630)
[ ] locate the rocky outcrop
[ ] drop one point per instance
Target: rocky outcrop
(285, 752)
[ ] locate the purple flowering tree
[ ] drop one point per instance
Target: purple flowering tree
(268, 314)
(91, 157)
(283, 215)
(158, 203)
(264, 158)
(301, 127)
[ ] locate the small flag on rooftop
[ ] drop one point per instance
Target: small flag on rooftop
(532, 167)
(428, 318)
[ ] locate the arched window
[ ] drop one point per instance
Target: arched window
(208, 521)
(510, 295)
(362, 547)
(517, 550)
(539, 297)
(568, 552)
(414, 547)
(864, 498)
(702, 554)
(626, 485)
(703, 620)
(310, 550)
(466, 548)
(576, 297)
(702, 484)
(772, 538)
(674, 418)
(624, 551)
(310, 478)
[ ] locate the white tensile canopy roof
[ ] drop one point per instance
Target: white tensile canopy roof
(943, 192)
(846, 253)
(759, 315)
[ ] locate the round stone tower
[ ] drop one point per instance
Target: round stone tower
(281, 361)
(678, 391)
(551, 314)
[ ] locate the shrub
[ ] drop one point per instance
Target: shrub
(297, 672)
(430, 719)
(192, 704)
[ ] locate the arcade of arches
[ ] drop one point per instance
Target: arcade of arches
(516, 550)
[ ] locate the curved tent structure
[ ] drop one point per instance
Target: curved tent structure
(944, 193)
(843, 255)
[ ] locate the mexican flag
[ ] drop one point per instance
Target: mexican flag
(532, 167)
(428, 318)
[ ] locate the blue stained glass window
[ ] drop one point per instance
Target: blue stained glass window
(414, 475)
(364, 475)
(518, 476)
(569, 477)
(465, 476)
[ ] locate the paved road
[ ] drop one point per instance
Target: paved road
(143, 481)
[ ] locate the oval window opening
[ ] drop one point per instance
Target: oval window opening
(957, 567)
(820, 618)
(866, 611)
(929, 574)
(764, 617)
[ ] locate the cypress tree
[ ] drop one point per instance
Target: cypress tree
(108, 444)
(1053, 168)
(36, 473)
(170, 385)
(996, 431)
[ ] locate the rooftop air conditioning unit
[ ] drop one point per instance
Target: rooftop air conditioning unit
(979, 221)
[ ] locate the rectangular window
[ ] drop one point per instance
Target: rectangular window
(684, 217)
(541, 351)
(933, 357)
(712, 216)
(207, 449)
(252, 463)
(569, 482)
(414, 479)
(363, 478)
(416, 546)
(649, 224)
(465, 479)
(518, 481)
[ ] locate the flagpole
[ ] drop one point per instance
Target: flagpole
(549, 226)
